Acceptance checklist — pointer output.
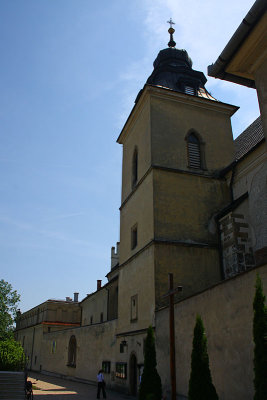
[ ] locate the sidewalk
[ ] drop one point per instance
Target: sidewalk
(53, 388)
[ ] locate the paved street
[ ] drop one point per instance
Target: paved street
(52, 388)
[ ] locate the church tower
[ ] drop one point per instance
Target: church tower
(175, 141)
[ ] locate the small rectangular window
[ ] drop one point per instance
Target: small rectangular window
(121, 370)
(134, 237)
(91, 320)
(53, 347)
(134, 308)
(101, 317)
(106, 367)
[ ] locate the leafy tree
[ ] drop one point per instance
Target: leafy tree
(200, 384)
(8, 309)
(150, 386)
(260, 340)
(12, 357)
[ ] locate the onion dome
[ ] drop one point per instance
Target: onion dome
(173, 70)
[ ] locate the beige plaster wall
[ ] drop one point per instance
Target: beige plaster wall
(251, 176)
(137, 210)
(113, 299)
(193, 268)
(226, 310)
(173, 115)
(67, 312)
(184, 205)
(31, 340)
(136, 135)
(50, 311)
(93, 306)
(137, 278)
(246, 169)
(95, 343)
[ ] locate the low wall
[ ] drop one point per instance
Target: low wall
(227, 313)
(12, 385)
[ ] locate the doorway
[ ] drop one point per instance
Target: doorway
(133, 375)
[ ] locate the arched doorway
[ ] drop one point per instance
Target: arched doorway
(72, 352)
(133, 375)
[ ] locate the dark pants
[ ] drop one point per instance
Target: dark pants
(101, 386)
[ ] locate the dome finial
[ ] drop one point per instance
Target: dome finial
(171, 31)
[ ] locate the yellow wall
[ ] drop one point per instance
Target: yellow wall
(137, 135)
(93, 306)
(31, 340)
(137, 210)
(193, 268)
(137, 277)
(227, 313)
(95, 344)
(174, 114)
(184, 205)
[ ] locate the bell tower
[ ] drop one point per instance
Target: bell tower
(175, 141)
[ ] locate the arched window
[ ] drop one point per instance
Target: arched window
(72, 352)
(194, 152)
(134, 168)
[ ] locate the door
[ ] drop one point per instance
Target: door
(133, 375)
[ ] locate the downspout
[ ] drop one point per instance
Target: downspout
(232, 182)
(220, 248)
(33, 336)
(108, 305)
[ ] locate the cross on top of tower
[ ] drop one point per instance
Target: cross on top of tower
(171, 31)
(171, 22)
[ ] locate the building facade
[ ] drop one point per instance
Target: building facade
(193, 204)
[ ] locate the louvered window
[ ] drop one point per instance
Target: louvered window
(193, 148)
(189, 90)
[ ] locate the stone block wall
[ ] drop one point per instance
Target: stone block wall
(236, 244)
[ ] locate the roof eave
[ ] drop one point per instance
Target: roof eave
(218, 69)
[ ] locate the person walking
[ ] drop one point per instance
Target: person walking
(101, 384)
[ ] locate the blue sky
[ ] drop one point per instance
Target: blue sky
(69, 74)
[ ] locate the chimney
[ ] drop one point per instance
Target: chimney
(115, 255)
(76, 297)
(68, 299)
(99, 282)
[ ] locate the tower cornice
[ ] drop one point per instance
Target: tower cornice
(168, 94)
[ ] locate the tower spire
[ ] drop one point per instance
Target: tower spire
(171, 31)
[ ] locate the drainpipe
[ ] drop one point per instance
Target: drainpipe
(232, 181)
(33, 336)
(220, 249)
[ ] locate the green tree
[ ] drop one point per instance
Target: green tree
(200, 384)
(12, 357)
(150, 386)
(260, 340)
(8, 309)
